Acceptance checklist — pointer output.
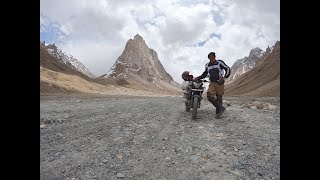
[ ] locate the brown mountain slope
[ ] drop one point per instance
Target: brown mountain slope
(52, 82)
(57, 77)
(245, 64)
(50, 62)
(262, 80)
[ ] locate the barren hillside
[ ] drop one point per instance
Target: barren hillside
(57, 82)
(262, 80)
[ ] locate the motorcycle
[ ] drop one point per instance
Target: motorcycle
(193, 95)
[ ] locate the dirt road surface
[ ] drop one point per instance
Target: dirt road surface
(155, 138)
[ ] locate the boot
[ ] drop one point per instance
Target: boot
(213, 101)
(220, 108)
(217, 105)
(220, 112)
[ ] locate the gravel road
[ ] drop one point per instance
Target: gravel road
(83, 137)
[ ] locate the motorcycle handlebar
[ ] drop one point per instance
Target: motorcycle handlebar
(200, 80)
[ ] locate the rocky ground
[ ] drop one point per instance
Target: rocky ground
(119, 137)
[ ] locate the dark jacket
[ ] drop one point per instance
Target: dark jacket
(215, 71)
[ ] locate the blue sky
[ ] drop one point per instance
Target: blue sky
(182, 32)
(202, 43)
(51, 36)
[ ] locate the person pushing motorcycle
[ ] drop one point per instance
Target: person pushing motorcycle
(217, 71)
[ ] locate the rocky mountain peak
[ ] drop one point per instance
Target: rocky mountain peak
(68, 60)
(243, 65)
(268, 50)
(137, 37)
(256, 52)
(262, 79)
(52, 46)
(137, 43)
(139, 61)
(277, 44)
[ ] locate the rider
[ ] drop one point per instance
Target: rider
(215, 69)
(187, 76)
(185, 85)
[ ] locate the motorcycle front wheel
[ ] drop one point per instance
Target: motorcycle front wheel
(195, 107)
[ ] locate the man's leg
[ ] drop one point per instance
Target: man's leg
(220, 92)
(214, 101)
(219, 103)
(211, 96)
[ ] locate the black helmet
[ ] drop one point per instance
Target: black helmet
(186, 76)
(212, 53)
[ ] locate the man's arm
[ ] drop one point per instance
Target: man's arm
(226, 68)
(203, 75)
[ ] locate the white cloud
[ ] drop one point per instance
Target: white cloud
(43, 24)
(185, 25)
(89, 51)
(96, 31)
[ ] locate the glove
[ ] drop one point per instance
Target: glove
(221, 81)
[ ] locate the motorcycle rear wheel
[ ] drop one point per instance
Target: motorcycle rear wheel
(188, 105)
